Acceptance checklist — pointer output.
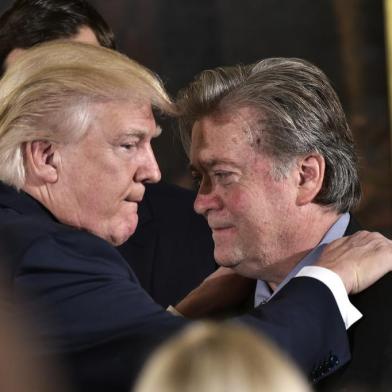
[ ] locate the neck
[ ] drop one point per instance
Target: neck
(305, 237)
(44, 195)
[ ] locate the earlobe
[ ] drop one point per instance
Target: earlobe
(40, 161)
(311, 169)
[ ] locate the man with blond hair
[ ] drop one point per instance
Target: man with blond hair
(169, 231)
(75, 151)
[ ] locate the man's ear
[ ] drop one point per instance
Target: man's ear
(311, 170)
(41, 158)
(12, 56)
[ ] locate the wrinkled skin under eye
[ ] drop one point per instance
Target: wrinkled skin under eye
(223, 177)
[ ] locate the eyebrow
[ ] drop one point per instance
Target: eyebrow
(140, 133)
(211, 163)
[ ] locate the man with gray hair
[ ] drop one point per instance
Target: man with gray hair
(76, 125)
(275, 160)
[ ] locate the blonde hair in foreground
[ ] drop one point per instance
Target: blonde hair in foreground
(46, 95)
(219, 358)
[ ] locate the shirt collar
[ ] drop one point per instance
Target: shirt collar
(263, 292)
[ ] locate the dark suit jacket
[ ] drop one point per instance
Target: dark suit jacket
(370, 340)
(172, 250)
(91, 311)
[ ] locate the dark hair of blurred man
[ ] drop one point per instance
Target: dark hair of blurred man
(30, 22)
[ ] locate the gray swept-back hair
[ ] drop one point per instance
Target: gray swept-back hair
(297, 112)
(47, 93)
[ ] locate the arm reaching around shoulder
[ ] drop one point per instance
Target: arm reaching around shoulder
(222, 290)
(360, 259)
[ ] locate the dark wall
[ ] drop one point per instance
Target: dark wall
(178, 39)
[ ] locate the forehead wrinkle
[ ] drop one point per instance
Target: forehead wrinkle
(202, 155)
(211, 162)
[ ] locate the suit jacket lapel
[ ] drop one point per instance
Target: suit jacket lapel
(353, 226)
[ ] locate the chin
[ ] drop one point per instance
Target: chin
(118, 239)
(122, 232)
(225, 260)
(230, 257)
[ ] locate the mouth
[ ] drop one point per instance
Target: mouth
(132, 205)
(132, 199)
(221, 229)
(134, 195)
(218, 226)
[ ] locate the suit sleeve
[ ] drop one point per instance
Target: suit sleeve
(98, 315)
(304, 320)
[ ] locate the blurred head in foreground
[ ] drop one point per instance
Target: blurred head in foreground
(21, 369)
(219, 358)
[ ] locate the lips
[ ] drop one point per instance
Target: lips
(131, 200)
(131, 205)
(216, 225)
(220, 228)
(135, 194)
(221, 233)
(134, 199)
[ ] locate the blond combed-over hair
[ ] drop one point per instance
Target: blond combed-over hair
(209, 357)
(47, 92)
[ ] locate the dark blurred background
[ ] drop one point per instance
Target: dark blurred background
(179, 38)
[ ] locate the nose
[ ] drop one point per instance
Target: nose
(148, 170)
(206, 202)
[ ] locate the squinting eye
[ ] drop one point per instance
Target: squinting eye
(223, 177)
(128, 146)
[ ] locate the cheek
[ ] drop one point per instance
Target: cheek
(238, 202)
(249, 210)
(108, 181)
(99, 191)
